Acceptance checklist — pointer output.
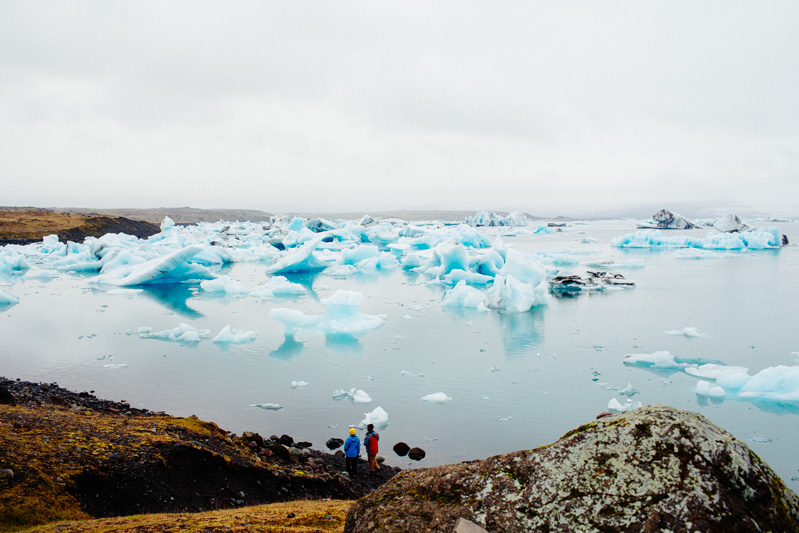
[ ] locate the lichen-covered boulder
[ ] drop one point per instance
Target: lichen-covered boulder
(651, 469)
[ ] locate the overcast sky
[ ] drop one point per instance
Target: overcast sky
(550, 107)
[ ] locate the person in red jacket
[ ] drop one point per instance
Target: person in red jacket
(370, 442)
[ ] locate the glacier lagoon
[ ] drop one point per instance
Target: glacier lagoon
(459, 381)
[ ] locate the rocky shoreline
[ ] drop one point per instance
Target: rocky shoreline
(95, 458)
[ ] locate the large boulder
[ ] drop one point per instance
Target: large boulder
(651, 469)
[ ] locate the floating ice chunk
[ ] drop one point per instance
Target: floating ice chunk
(516, 296)
(7, 298)
(613, 265)
(378, 417)
(409, 373)
(505, 418)
(39, 273)
(354, 255)
(715, 371)
(342, 316)
(705, 388)
(182, 333)
(354, 395)
(437, 397)
(473, 278)
(229, 336)
(761, 440)
(302, 259)
(749, 240)
(299, 384)
(464, 296)
(224, 285)
(495, 368)
(688, 331)
(115, 365)
(139, 331)
(779, 383)
(615, 406)
(267, 406)
(662, 359)
(629, 390)
(171, 268)
(279, 287)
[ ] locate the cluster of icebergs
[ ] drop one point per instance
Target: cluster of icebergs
(717, 380)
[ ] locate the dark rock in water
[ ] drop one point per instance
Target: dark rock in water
(286, 440)
(334, 443)
(401, 449)
(651, 469)
(417, 454)
(304, 444)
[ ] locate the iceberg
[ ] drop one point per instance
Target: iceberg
(664, 219)
(299, 384)
(224, 285)
(302, 259)
(437, 397)
(750, 240)
(463, 296)
(171, 268)
(228, 336)
(705, 388)
(279, 286)
(615, 406)
(730, 223)
(342, 316)
(182, 333)
(378, 417)
(513, 295)
(354, 395)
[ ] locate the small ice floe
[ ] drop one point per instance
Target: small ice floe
(430, 439)
(406, 317)
(138, 331)
(495, 368)
(267, 406)
(342, 316)
(332, 426)
(629, 390)
(614, 406)
(115, 365)
(182, 333)
(437, 397)
(299, 384)
(504, 418)
(234, 336)
(412, 374)
(711, 390)
(354, 395)
(762, 440)
(689, 331)
(795, 355)
(378, 417)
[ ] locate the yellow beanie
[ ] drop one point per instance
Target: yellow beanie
(352, 431)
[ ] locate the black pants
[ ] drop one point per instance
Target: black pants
(352, 465)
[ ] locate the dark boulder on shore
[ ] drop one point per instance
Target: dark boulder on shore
(651, 469)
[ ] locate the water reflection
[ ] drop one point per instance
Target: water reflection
(289, 350)
(343, 343)
(305, 279)
(521, 331)
(172, 296)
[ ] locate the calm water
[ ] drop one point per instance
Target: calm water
(516, 380)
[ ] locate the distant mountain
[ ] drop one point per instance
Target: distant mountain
(181, 215)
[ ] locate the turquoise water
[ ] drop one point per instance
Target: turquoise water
(517, 380)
